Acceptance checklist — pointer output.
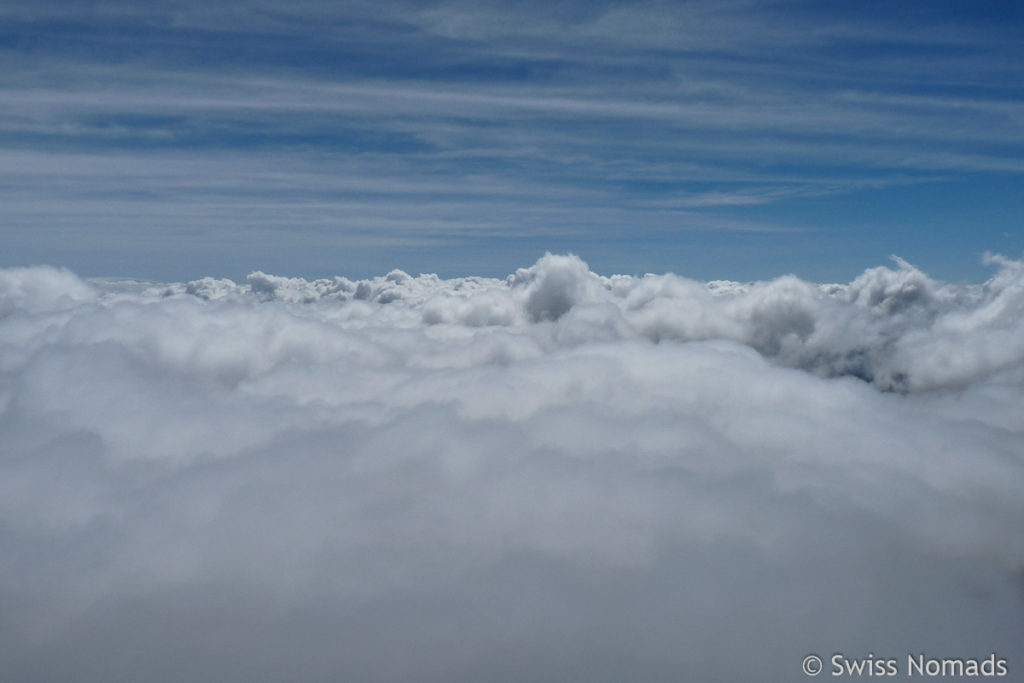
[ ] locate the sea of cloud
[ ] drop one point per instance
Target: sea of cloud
(555, 476)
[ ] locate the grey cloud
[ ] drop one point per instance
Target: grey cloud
(896, 328)
(41, 289)
(554, 476)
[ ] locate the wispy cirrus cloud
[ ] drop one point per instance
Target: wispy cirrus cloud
(633, 110)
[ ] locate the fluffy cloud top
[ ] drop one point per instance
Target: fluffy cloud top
(556, 476)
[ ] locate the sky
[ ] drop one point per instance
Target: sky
(730, 139)
(509, 341)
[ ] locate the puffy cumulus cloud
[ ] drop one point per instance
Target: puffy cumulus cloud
(556, 476)
(40, 290)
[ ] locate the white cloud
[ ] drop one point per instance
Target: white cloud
(556, 476)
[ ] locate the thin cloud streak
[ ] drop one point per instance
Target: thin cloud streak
(843, 114)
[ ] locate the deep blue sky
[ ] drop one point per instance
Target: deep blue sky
(717, 139)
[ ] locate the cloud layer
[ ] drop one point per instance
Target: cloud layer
(555, 476)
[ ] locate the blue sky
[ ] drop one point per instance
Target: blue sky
(725, 139)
